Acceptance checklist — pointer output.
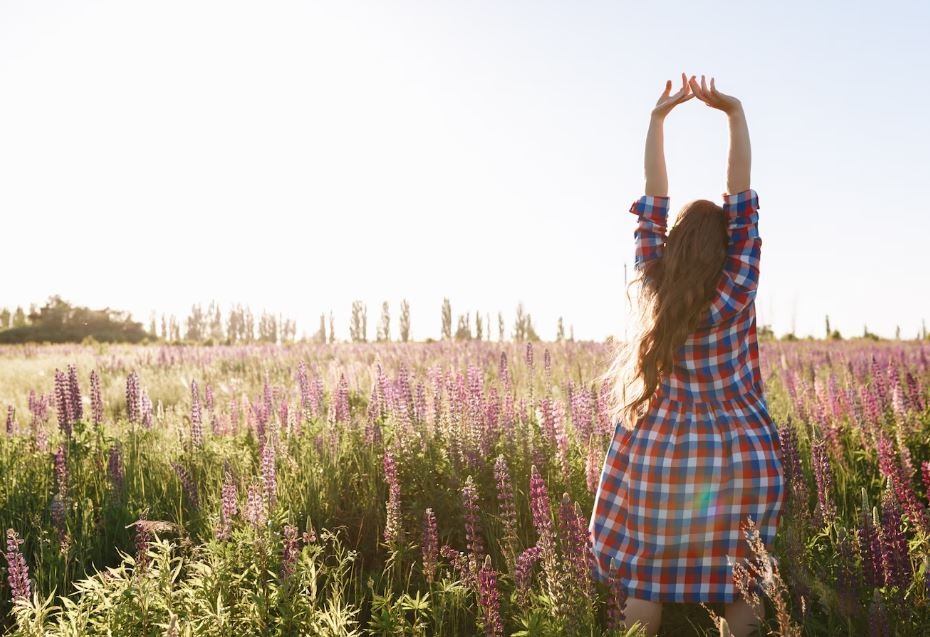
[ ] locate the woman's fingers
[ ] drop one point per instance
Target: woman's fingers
(713, 89)
(697, 89)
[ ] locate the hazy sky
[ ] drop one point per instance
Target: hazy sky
(299, 155)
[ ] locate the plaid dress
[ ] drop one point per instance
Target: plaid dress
(675, 491)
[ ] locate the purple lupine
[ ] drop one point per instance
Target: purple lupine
(914, 394)
(196, 416)
(96, 399)
(290, 550)
(616, 598)
(461, 563)
(489, 599)
(269, 474)
(187, 484)
(133, 397)
(894, 471)
(342, 400)
(145, 406)
(208, 399)
(826, 509)
(508, 510)
(10, 420)
(115, 467)
(575, 547)
(523, 573)
(17, 569)
(900, 572)
(925, 477)
(61, 471)
(429, 545)
(539, 503)
(879, 624)
(473, 536)
(847, 576)
(869, 550)
(74, 394)
(63, 403)
(593, 465)
(229, 507)
(255, 511)
(392, 526)
(303, 384)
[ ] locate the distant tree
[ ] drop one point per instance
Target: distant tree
(867, 334)
(828, 326)
(766, 333)
(923, 329)
(487, 322)
(268, 328)
(358, 329)
(571, 333)
(560, 331)
(404, 321)
(332, 327)
(446, 319)
(320, 336)
(520, 324)
(479, 327)
(60, 322)
(897, 332)
(463, 331)
(531, 334)
(5, 318)
(153, 330)
(174, 329)
(500, 326)
(19, 318)
(384, 328)
(195, 324)
(164, 328)
(216, 322)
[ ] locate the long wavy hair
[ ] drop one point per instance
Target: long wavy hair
(674, 292)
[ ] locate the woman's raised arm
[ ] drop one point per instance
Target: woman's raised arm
(654, 160)
(740, 161)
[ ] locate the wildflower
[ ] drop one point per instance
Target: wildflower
(489, 599)
(523, 572)
(96, 400)
(187, 484)
(63, 403)
(472, 521)
(508, 511)
(229, 507)
(115, 467)
(10, 422)
(17, 570)
(429, 545)
(255, 511)
(824, 477)
(196, 416)
(269, 473)
(392, 525)
(74, 395)
(616, 600)
(133, 397)
(290, 551)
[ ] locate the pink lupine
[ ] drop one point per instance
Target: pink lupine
(74, 395)
(17, 569)
(255, 511)
(429, 545)
(229, 506)
(133, 398)
(539, 503)
(523, 573)
(342, 400)
(96, 399)
(616, 598)
(870, 550)
(269, 473)
(576, 547)
(914, 393)
(145, 407)
(208, 399)
(61, 471)
(593, 465)
(115, 467)
(63, 405)
(392, 527)
(898, 571)
(290, 550)
(196, 416)
(893, 470)
(462, 564)
(473, 535)
(489, 599)
(10, 420)
(187, 484)
(826, 511)
(508, 510)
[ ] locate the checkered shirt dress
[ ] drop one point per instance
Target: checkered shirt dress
(675, 491)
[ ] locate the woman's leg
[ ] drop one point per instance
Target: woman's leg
(742, 618)
(646, 612)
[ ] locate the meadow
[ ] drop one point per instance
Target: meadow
(419, 489)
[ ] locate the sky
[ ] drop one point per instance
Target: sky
(296, 156)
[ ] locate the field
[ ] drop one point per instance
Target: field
(418, 489)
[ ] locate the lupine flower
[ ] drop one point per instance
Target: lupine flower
(392, 528)
(616, 598)
(63, 405)
(133, 398)
(870, 549)
(576, 547)
(291, 549)
(187, 484)
(255, 512)
(10, 420)
(74, 395)
(342, 400)
(115, 467)
(196, 416)
(17, 571)
(96, 399)
(145, 405)
(61, 471)
(508, 510)
(269, 474)
(523, 573)
(473, 535)
(489, 599)
(429, 545)
(893, 470)
(539, 503)
(899, 571)
(229, 507)
(208, 397)
(879, 626)
(462, 565)
(824, 476)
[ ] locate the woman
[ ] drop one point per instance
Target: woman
(695, 451)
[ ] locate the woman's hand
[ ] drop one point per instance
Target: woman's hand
(667, 102)
(714, 98)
